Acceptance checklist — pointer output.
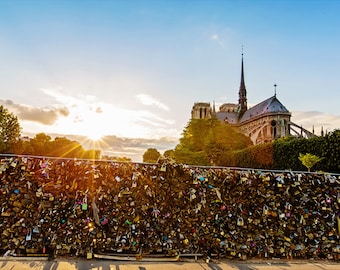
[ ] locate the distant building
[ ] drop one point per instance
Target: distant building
(264, 122)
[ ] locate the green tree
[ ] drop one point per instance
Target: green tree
(221, 139)
(169, 153)
(41, 144)
(63, 147)
(9, 130)
(330, 150)
(308, 160)
(151, 155)
(286, 152)
(23, 147)
(206, 142)
(196, 134)
(257, 156)
(91, 154)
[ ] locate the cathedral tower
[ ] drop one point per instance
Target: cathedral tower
(242, 100)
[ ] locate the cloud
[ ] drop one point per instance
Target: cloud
(7, 102)
(115, 146)
(45, 116)
(133, 148)
(153, 119)
(318, 120)
(89, 115)
(216, 38)
(150, 101)
(62, 96)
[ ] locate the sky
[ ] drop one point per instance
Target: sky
(132, 70)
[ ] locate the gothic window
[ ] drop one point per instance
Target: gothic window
(273, 124)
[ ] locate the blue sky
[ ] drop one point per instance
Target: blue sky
(133, 69)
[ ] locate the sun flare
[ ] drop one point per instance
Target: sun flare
(94, 135)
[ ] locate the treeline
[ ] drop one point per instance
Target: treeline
(43, 145)
(208, 142)
(211, 142)
(284, 153)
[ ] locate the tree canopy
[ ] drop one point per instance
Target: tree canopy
(42, 144)
(206, 141)
(151, 155)
(9, 130)
(308, 160)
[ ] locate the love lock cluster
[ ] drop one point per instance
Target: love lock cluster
(72, 207)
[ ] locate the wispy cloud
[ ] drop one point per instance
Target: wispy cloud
(63, 97)
(217, 38)
(214, 37)
(88, 115)
(151, 101)
(154, 119)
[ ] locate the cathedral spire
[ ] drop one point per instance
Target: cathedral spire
(242, 101)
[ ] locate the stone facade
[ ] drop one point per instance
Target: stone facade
(266, 127)
(264, 122)
(201, 110)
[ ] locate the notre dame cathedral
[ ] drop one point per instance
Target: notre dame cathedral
(263, 122)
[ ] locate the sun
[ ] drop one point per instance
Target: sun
(93, 131)
(94, 128)
(94, 135)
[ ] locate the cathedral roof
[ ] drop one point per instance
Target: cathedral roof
(230, 117)
(270, 105)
